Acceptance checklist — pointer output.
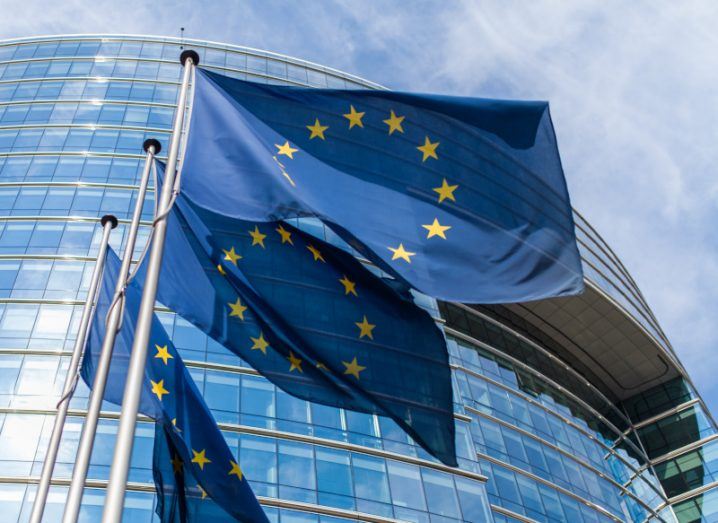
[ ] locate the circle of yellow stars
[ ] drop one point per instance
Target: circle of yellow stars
(395, 124)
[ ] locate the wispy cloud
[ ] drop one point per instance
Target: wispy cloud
(632, 87)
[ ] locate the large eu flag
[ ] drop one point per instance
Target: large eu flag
(196, 475)
(463, 198)
(312, 319)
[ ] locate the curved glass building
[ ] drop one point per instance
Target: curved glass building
(567, 410)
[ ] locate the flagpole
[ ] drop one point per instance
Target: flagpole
(108, 222)
(117, 484)
(112, 327)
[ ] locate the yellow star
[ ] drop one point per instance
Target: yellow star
(176, 464)
(446, 191)
(286, 150)
(221, 270)
(230, 255)
(402, 253)
(200, 458)
(353, 368)
(295, 362)
(394, 123)
(285, 234)
(354, 117)
(235, 470)
(163, 354)
(260, 343)
(158, 388)
(321, 366)
(257, 237)
(317, 129)
(436, 229)
(237, 309)
(316, 253)
(365, 328)
(428, 149)
(349, 286)
(202, 491)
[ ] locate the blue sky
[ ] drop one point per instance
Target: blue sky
(632, 87)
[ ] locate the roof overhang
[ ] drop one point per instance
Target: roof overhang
(597, 334)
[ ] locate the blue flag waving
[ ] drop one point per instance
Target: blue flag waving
(203, 469)
(312, 319)
(462, 198)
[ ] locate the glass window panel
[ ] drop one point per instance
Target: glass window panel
(333, 472)
(406, 487)
(28, 139)
(58, 199)
(104, 140)
(42, 168)
(221, 391)
(69, 168)
(76, 238)
(33, 275)
(296, 465)
(440, 493)
(46, 237)
(19, 437)
(111, 114)
(9, 371)
(52, 321)
(18, 320)
(472, 496)
(66, 276)
(257, 397)
(7, 197)
(37, 376)
(118, 90)
(116, 202)
(87, 113)
(370, 478)
(8, 273)
(30, 199)
(78, 139)
(15, 114)
(258, 458)
(53, 139)
(136, 115)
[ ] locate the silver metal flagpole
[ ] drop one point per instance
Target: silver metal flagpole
(89, 428)
(108, 222)
(133, 388)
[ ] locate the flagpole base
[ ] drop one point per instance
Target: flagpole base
(152, 142)
(189, 53)
(109, 218)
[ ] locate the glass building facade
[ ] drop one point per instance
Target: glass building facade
(566, 410)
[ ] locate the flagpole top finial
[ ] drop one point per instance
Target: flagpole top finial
(189, 53)
(109, 218)
(152, 142)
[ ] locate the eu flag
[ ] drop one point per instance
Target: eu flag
(196, 474)
(312, 319)
(463, 198)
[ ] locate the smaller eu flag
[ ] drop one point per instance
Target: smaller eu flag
(187, 441)
(462, 198)
(312, 319)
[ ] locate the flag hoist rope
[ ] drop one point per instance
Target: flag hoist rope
(109, 222)
(112, 326)
(117, 484)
